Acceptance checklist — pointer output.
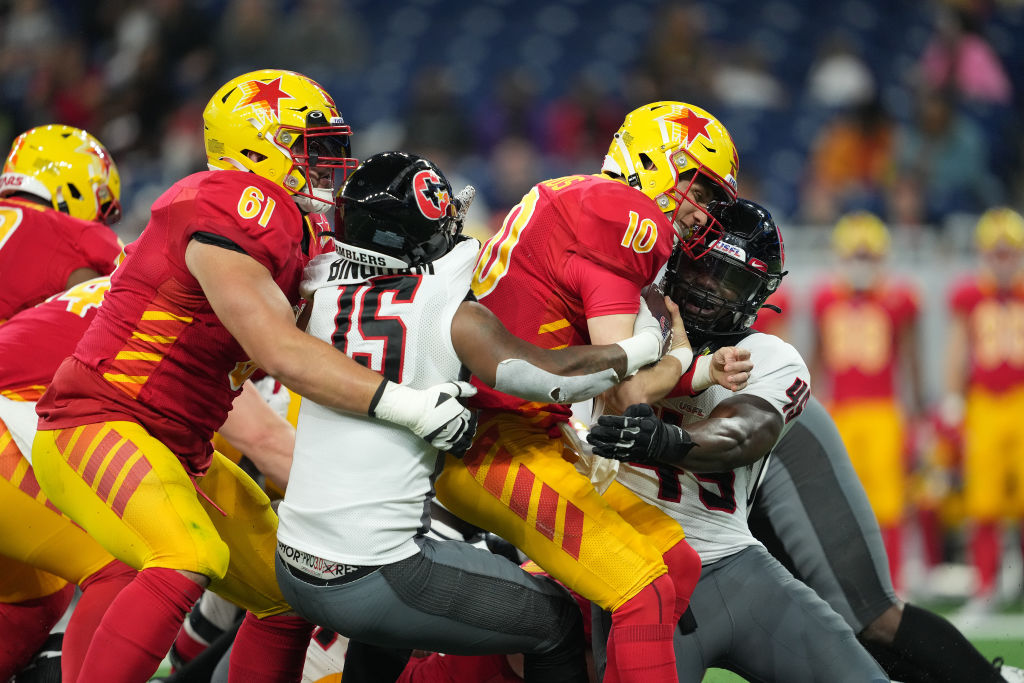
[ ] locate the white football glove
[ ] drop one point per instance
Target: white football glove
(434, 413)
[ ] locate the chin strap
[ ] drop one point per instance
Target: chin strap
(772, 307)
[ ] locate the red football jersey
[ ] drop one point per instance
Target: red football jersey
(156, 352)
(995, 324)
(40, 248)
(438, 668)
(858, 332)
(35, 341)
(574, 248)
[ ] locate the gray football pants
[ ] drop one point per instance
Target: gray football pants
(450, 597)
(812, 514)
(754, 618)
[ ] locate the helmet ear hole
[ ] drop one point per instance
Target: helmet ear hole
(75, 194)
(647, 162)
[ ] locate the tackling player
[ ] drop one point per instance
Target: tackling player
(754, 617)
(59, 189)
(566, 269)
(203, 297)
(985, 389)
(866, 356)
(353, 555)
(44, 555)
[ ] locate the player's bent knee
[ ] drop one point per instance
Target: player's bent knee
(883, 629)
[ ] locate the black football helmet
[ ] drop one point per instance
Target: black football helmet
(720, 293)
(397, 211)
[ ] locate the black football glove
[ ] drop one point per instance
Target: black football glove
(639, 436)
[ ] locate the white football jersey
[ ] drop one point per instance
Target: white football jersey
(360, 488)
(712, 508)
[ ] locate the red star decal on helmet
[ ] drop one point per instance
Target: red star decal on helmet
(692, 125)
(267, 96)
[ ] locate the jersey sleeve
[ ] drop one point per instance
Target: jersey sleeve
(603, 292)
(249, 212)
(99, 246)
(780, 375)
(962, 297)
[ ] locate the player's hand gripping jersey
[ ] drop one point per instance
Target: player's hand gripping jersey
(713, 507)
(40, 248)
(397, 322)
(574, 248)
(157, 353)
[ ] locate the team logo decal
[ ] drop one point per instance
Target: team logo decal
(693, 126)
(432, 196)
(265, 97)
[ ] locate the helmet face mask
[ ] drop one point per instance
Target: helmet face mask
(720, 291)
(280, 125)
(397, 210)
(68, 168)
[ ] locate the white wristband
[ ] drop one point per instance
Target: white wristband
(702, 374)
(684, 354)
(641, 349)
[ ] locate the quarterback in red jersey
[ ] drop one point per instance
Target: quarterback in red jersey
(985, 388)
(59, 191)
(865, 357)
(203, 297)
(566, 269)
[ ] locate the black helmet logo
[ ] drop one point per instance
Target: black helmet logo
(432, 196)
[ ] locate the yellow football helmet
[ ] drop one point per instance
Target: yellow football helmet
(860, 232)
(661, 141)
(999, 227)
(68, 168)
(280, 124)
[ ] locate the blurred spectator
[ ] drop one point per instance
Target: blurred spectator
(743, 80)
(320, 38)
(865, 359)
(247, 23)
(960, 59)
(678, 57)
(435, 117)
(851, 164)
(511, 109)
(579, 125)
(839, 77)
(943, 157)
(514, 168)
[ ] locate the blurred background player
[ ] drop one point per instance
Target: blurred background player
(59, 191)
(866, 367)
(985, 390)
(203, 297)
(566, 269)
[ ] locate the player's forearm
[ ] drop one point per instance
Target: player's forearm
(649, 385)
(315, 369)
(720, 445)
(266, 438)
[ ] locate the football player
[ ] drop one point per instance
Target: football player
(702, 462)
(203, 297)
(44, 555)
(566, 269)
(866, 356)
(352, 554)
(43, 550)
(985, 390)
(59, 190)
